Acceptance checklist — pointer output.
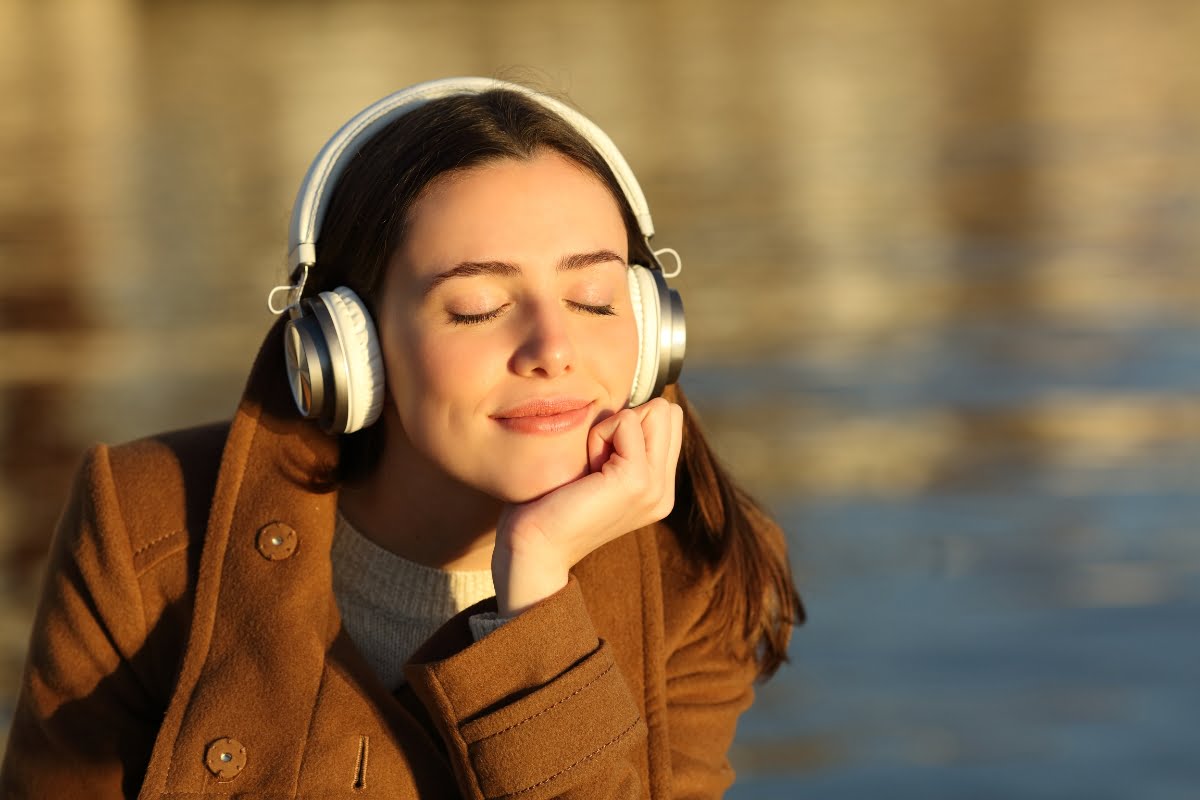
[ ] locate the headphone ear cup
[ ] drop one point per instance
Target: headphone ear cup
(643, 296)
(334, 365)
(662, 336)
(364, 377)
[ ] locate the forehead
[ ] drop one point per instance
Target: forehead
(512, 210)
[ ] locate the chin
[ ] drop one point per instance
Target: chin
(521, 483)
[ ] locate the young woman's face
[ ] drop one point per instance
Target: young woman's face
(505, 323)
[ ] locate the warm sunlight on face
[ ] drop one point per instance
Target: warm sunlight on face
(505, 323)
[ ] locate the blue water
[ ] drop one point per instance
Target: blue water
(1019, 644)
(1026, 625)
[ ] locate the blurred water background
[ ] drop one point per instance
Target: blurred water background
(940, 269)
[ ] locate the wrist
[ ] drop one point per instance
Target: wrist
(524, 575)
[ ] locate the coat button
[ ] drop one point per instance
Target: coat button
(225, 758)
(276, 541)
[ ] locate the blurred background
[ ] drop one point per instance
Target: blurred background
(940, 270)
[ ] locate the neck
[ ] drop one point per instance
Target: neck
(409, 506)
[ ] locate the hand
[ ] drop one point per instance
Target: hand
(632, 457)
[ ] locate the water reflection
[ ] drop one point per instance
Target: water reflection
(940, 275)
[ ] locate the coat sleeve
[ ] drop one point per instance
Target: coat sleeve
(536, 709)
(84, 725)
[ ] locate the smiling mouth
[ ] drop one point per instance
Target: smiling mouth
(545, 415)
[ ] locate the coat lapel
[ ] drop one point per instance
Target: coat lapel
(266, 664)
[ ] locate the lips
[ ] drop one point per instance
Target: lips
(544, 415)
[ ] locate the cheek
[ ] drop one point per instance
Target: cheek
(445, 376)
(619, 356)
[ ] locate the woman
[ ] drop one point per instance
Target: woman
(491, 574)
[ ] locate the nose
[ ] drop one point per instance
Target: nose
(546, 348)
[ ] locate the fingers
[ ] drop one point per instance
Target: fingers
(628, 444)
(662, 426)
(656, 424)
(601, 436)
(641, 446)
(599, 446)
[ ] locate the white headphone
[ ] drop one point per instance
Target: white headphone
(333, 359)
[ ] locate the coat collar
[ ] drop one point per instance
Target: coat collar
(265, 623)
(281, 442)
(279, 467)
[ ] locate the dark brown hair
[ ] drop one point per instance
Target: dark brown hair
(718, 526)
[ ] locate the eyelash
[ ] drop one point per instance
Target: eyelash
(600, 311)
(475, 319)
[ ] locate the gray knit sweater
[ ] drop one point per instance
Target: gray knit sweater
(391, 605)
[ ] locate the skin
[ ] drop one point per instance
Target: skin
(465, 341)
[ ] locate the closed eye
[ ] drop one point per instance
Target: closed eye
(602, 311)
(475, 319)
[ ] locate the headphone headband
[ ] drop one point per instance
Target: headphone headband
(312, 201)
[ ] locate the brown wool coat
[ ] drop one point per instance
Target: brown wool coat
(188, 645)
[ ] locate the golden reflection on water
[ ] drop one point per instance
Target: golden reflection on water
(929, 248)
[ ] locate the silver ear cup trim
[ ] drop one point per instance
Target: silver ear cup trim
(664, 336)
(678, 338)
(308, 365)
(672, 335)
(295, 351)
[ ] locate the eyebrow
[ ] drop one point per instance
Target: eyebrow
(469, 269)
